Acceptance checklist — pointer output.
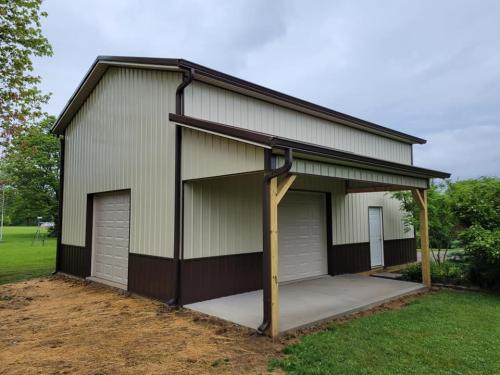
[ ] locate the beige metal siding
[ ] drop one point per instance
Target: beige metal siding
(350, 216)
(217, 104)
(121, 139)
(207, 155)
(318, 168)
(350, 211)
(223, 216)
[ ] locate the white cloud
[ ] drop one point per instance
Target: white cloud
(422, 67)
(466, 153)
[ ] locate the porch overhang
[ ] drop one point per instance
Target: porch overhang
(323, 161)
(284, 158)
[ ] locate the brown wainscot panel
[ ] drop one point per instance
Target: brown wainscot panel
(213, 277)
(75, 260)
(400, 251)
(349, 258)
(151, 276)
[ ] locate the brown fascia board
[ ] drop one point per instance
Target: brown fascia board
(101, 64)
(226, 130)
(304, 147)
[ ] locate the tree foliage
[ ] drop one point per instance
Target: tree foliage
(476, 204)
(467, 211)
(442, 223)
(21, 39)
(31, 170)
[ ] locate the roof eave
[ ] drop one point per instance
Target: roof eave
(306, 148)
(93, 76)
(101, 64)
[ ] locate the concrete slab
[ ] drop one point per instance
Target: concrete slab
(310, 301)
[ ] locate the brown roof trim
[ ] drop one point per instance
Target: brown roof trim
(228, 130)
(307, 148)
(101, 64)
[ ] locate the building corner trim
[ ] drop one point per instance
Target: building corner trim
(62, 144)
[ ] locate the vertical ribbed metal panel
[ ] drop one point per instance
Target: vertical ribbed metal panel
(223, 216)
(207, 155)
(121, 139)
(350, 211)
(312, 167)
(217, 104)
(350, 216)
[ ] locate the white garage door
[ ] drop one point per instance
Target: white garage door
(111, 237)
(302, 236)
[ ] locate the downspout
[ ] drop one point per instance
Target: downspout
(266, 238)
(60, 199)
(179, 110)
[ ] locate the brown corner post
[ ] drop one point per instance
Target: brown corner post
(420, 196)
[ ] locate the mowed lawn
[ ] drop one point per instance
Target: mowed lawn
(20, 259)
(447, 332)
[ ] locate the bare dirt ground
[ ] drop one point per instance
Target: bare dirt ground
(59, 325)
(64, 326)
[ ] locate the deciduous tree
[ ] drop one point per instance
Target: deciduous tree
(21, 39)
(31, 167)
(442, 222)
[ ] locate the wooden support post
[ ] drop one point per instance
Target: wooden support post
(276, 192)
(275, 312)
(284, 186)
(420, 196)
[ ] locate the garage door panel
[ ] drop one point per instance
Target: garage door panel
(111, 237)
(302, 236)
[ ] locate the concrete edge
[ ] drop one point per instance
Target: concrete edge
(357, 309)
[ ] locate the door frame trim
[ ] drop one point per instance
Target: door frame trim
(382, 256)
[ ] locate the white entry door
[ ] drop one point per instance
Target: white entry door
(376, 230)
(111, 237)
(302, 246)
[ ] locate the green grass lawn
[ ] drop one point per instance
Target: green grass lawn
(447, 332)
(20, 260)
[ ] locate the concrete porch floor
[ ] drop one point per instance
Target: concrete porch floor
(306, 302)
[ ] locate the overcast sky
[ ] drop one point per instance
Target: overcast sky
(428, 68)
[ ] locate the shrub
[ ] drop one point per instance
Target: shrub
(482, 248)
(445, 272)
(413, 273)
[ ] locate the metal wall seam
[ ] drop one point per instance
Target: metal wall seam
(220, 105)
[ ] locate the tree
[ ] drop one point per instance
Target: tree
(442, 222)
(476, 204)
(31, 167)
(21, 39)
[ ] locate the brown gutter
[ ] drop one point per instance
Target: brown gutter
(304, 147)
(266, 232)
(232, 131)
(179, 109)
